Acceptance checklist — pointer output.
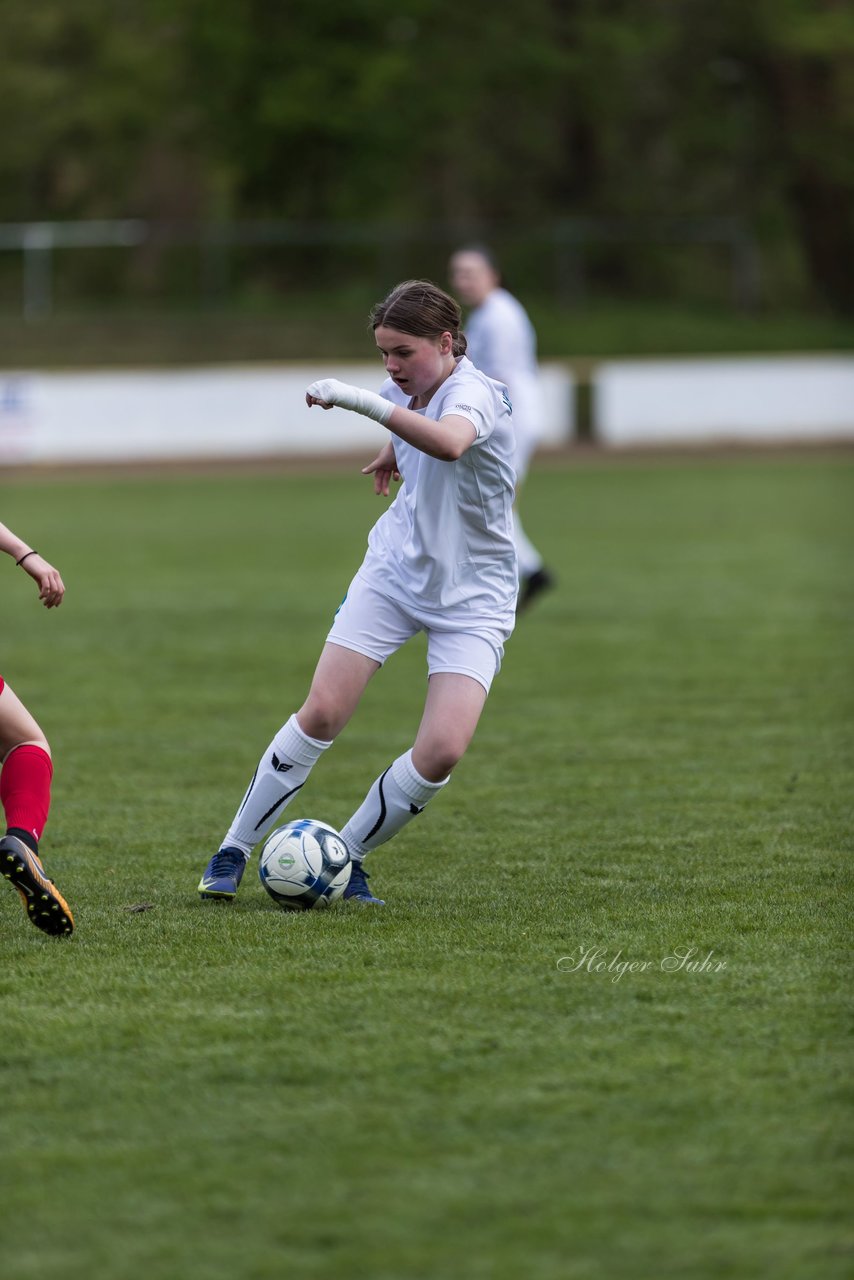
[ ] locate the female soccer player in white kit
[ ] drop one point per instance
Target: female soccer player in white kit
(502, 343)
(440, 559)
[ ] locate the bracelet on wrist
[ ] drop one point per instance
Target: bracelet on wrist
(24, 556)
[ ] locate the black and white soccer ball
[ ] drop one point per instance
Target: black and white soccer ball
(305, 865)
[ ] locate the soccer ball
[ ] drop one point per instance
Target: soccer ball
(305, 865)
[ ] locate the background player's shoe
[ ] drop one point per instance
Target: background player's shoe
(43, 902)
(359, 889)
(532, 586)
(223, 874)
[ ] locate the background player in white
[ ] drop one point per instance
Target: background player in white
(26, 772)
(440, 559)
(502, 343)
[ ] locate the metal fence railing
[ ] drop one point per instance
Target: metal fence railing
(567, 242)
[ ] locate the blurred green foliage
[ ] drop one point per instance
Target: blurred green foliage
(435, 112)
(326, 326)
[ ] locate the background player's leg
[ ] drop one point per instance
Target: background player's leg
(534, 577)
(25, 779)
(17, 726)
(529, 558)
(26, 770)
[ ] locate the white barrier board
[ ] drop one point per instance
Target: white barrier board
(253, 411)
(218, 412)
(720, 400)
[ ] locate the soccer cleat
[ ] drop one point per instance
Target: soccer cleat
(359, 889)
(43, 902)
(223, 874)
(532, 586)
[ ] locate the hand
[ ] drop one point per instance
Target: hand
(383, 469)
(327, 392)
(51, 586)
(311, 400)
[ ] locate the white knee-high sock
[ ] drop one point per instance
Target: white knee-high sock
(281, 771)
(396, 797)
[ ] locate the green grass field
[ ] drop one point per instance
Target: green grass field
(198, 1092)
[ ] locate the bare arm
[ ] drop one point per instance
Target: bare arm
(383, 469)
(50, 584)
(447, 439)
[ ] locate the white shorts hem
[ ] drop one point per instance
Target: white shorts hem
(461, 671)
(355, 647)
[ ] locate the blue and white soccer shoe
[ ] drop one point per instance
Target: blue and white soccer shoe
(223, 874)
(359, 890)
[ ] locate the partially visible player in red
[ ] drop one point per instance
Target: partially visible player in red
(26, 772)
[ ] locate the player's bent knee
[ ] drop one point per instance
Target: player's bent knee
(6, 747)
(435, 761)
(320, 718)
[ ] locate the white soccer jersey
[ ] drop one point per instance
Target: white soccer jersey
(445, 545)
(502, 343)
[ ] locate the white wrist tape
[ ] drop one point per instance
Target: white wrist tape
(358, 399)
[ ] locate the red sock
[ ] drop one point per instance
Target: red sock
(25, 788)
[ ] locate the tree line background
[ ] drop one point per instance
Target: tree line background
(479, 114)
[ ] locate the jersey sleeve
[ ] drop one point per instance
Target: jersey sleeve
(474, 402)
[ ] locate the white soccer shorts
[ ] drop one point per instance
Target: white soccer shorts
(371, 623)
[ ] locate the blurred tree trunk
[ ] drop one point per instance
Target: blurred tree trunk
(806, 92)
